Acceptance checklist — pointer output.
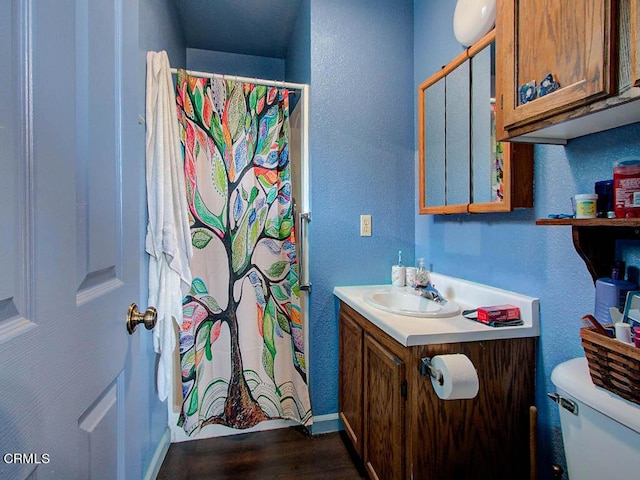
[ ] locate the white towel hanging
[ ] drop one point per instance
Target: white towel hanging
(168, 240)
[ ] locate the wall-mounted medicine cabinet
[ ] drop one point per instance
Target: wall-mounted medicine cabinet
(590, 50)
(462, 168)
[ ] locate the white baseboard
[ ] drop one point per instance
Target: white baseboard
(158, 456)
(326, 424)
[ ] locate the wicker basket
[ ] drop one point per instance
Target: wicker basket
(613, 365)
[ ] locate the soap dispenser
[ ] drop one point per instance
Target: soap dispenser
(398, 273)
(422, 275)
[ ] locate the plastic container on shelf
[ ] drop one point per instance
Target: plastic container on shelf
(626, 188)
(611, 292)
(604, 190)
(584, 205)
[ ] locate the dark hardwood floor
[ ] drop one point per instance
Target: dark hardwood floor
(287, 453)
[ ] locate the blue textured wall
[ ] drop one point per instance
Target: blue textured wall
(298, 59)
(159, 29)
(235, 64)
(508, 250)
(362, 161)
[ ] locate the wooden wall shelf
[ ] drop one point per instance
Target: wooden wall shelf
(592, 222)
(595, 239)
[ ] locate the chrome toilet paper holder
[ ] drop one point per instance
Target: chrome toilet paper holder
(427, 369)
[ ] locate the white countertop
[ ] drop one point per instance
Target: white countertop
(410, 331)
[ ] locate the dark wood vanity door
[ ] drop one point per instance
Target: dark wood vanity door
(484, 438)
(350, 395)
(384, 385)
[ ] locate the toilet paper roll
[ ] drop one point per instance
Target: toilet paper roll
(459, 377)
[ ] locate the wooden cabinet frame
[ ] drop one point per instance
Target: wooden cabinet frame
(597, 64)
(635, 42)
(599, 68)
(517, 158)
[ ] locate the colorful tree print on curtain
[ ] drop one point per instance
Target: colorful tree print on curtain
(241, 342)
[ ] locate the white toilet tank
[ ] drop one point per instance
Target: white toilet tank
(602, 439)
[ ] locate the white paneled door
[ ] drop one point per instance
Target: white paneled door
(71, 241)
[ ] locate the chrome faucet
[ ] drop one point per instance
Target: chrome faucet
(430, 292)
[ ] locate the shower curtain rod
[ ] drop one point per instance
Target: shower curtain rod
(259, 81)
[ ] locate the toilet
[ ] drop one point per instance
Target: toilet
(602, 437)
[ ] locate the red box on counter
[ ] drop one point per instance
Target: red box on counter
(498, 313)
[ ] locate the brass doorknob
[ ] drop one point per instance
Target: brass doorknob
(134, 317)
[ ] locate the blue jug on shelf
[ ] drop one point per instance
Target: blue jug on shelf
(611, 292)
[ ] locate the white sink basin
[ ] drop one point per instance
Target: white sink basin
(409, 302)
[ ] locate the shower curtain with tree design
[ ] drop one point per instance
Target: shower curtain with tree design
(241, 341)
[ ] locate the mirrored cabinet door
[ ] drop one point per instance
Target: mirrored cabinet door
(461, 166)
(458, 135)
(443, 138)
(434, 136)
(485, 157)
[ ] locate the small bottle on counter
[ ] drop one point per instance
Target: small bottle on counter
(410, 277)
(422, 275)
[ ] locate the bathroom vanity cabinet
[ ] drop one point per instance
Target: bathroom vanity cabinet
(462, 169)
(590, 47)
(373, 390)
(401, 429)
